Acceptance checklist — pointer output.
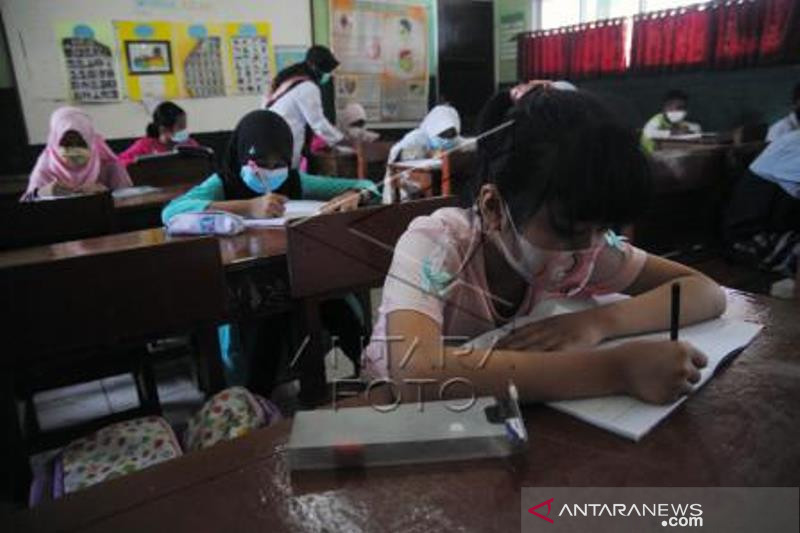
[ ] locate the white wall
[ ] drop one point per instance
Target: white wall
(41, 78)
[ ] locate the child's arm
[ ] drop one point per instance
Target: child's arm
(648, 310)
(419, 362)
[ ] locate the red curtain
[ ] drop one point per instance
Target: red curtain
(671, 40)
(573, 52)
(544, 55)
(738, 27)
(778, 17)
(597, 49)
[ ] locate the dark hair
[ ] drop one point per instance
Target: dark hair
(319, 60)
(796, 93)
(167, 115)
(675, 94)
(564, 151)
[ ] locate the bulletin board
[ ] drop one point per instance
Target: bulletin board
(123, 51)
(383, 50)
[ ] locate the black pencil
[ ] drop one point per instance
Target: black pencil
(675, 311)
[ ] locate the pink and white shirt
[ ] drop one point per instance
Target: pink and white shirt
(438, 270)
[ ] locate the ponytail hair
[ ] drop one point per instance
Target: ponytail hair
(166, 114)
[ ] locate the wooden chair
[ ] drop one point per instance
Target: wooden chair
(48, 221)
(71, 316)
(186, 165)
(371, 159)
(331, 255)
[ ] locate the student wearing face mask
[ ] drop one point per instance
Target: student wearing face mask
(258, 177)
(295, 95)
(255, 181)
(352, 121)
(167, 131)
(790, 122)
(76, 159)
(548, 188)
(439, 132)
(670, 121)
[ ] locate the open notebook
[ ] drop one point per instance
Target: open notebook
(719, 339)
(294, 209)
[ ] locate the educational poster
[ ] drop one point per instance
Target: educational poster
(383, 50)
(91, 68)
(198, 55)
(147, 57)
(252, 58)
(286, 56)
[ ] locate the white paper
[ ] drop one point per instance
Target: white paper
(419, 164)
(129, 192)
(294, 209)
(629, 417)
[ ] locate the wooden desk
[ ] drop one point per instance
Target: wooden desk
(740, 430)
(144, 211)
(252, 246)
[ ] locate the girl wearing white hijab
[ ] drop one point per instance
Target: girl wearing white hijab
(439, 132)
(352, 121)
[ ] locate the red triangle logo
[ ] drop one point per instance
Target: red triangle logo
(543, 516)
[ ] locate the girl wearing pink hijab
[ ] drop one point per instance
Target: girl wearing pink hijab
(75, 160)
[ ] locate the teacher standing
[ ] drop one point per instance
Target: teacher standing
(296, 96)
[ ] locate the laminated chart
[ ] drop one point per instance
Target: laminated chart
(199, 53)
(87, 50)
(146, 49)
(383, 49)
(252, 58)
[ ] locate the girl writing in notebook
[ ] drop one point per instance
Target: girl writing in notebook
(255, 182)
(550, 186)
(76, 159)
(168, 130)
(258, 178)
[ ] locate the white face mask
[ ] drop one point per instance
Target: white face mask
(675, 117)
(547, 269)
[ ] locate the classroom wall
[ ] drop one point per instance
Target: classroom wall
(509, 15)
(719, 100)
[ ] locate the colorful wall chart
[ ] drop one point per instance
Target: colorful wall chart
(147, 58)
(251, 56)
(383, 50)
(87, 49)
(198, 54)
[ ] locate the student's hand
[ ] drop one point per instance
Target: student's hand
(347, 201)
(268, 206)
(518, 91)
(660, 372)
(562, 332)
(92, 188)
(55, 189)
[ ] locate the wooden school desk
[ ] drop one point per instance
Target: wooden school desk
(144, 210)
(739, 430)
(366, 161)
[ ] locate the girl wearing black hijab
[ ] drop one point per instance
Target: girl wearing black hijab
(255, 181)
(257, 176)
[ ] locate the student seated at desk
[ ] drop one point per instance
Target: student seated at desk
(167, 131)
(548, 188)
(352, 121)
(76, 159)
(255, 181)
(670, 121)
(438, 133)
(257, 177)
(790, 122)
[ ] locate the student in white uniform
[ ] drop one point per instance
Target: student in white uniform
(671, 120)
(296, 96)
(439, 132)
(790, 122)
(353, 123)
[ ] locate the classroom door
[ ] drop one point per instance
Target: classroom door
(466, 56)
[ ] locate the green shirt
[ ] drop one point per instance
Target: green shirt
(321, 188)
